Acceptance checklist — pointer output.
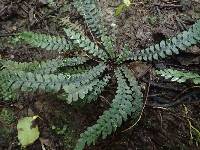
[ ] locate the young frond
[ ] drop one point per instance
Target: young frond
(120, 109)
(85, 43)
(47, 42)
(165, 48)
(179, 76)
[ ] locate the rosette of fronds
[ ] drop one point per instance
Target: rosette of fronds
(93, 64)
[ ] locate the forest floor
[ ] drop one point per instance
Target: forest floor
(171, 110)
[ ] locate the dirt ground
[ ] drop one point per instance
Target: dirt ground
(170, 108)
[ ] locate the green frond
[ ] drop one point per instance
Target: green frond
(97, 90)
(76, 26)
(136, 92)
(74, 92)
(120, 109)
(108, 43)
(179, 76)
(7, 94)
(44, 41)
(83, 83)
(30, 81)
(93, 18)
(27, 81)
(74, 61)
(47, 67)
(44, 67)
(92, 15)
(18, 66)
(85, 43)
(75, 70)
(165, 48)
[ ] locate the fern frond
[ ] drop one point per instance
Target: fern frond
(83, 83)
(88, 95)
(108, 43)
(76, 26)
(74, 61)
(85, 43)
(179, 76)
(75, 93)
(27, 81)
(92, 15)
(120, 109)
(97, 89)
(47, 67)
(6, 93)
(165, 48)
(136, 92)
(44, 41)
(44, 67)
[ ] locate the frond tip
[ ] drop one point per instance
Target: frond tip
(179, 76)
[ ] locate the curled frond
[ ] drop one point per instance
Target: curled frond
(120, 109)
(85, 43)
(48, 42)
(179, 76)
(165, 48)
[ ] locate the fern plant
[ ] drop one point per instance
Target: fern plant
(179, 76)
(92, 65)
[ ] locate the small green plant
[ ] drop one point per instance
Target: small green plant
(179, 76)
(92, 65)
(122, 6)
(28, 131)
